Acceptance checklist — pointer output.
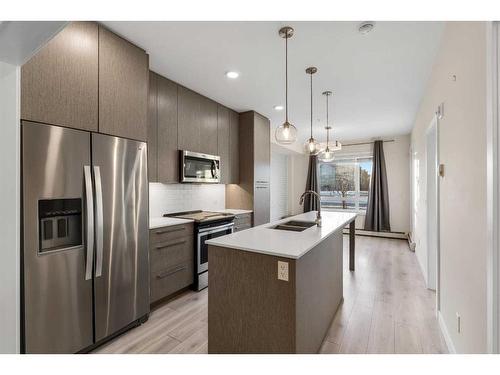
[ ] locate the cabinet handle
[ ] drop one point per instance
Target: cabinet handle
(163, 246)
(170, 272)
(169, 230)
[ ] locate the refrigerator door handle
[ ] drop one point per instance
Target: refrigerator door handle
(90, 222)
(99, 220)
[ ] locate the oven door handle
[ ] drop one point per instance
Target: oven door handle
(216, 229)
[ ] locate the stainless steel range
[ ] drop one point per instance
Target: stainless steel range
(207, 225)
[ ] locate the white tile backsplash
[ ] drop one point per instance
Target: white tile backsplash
(185, 197)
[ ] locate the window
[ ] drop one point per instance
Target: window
(345, 183)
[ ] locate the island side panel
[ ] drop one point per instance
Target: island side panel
(319, 284)
(249, 309)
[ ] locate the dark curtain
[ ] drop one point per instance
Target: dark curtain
(310, 201)
(377, 212)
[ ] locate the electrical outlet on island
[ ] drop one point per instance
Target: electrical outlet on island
(282, 270)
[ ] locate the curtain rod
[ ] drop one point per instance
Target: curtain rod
(364, 143)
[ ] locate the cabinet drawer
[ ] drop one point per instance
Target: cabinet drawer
(166, 234)
(171, 280)
(170, 253)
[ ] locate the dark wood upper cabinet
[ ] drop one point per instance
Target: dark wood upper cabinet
(208, 126)
(153, 128)
(234, 148)
(168, 154)
(188, 125)
(59, 85)
(123, 87)
(223, 143)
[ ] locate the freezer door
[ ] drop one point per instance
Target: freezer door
(57, 294)
(122, 261)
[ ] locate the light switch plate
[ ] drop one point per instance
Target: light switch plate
(282, 270)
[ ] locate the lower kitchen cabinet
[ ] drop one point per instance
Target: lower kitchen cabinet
(171, 256)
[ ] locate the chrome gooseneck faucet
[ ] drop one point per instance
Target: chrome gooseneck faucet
(318, 197)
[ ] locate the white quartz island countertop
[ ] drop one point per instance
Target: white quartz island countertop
(283, 243)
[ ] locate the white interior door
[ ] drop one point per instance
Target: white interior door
(432, 205)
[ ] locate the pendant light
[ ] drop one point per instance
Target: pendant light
(311, 146)
(327, 155)
(286, 133)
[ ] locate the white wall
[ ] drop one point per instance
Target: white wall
(279, 184)
(9, 208)
(458, 80)
(185, 197)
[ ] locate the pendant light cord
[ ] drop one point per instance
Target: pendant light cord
(311, 105)
(286, 78)
(327, 126)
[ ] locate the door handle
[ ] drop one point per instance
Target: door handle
(90, 222)
(99, 220)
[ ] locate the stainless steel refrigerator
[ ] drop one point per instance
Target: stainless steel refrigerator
(85, 265)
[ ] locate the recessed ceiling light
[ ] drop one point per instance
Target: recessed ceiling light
(232, 75)
(278, 107)
(366, 27)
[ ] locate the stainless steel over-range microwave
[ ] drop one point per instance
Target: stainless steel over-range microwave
(197, 167)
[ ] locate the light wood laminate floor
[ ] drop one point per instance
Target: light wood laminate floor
(386, 309)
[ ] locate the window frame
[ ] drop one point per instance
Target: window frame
(352, 159)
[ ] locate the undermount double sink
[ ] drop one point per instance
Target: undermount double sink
(294, 225)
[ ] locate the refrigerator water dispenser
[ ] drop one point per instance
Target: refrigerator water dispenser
(60, 223)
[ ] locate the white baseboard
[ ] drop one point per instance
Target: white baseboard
(446, 334)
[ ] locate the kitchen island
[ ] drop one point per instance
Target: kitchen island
(273, 290)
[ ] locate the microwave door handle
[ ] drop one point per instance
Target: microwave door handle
(90, 222)
(99, 220)
(213, 169)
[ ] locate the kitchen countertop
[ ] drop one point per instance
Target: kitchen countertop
(265, 240)
(159, 222)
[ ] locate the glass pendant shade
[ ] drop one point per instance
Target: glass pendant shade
(286, 133)
(312, 147)
(326, 155)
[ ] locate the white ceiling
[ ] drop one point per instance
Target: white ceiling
(378, 79)
(19, 40)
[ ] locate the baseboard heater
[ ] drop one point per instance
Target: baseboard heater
(393, 235)
(369, 233)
